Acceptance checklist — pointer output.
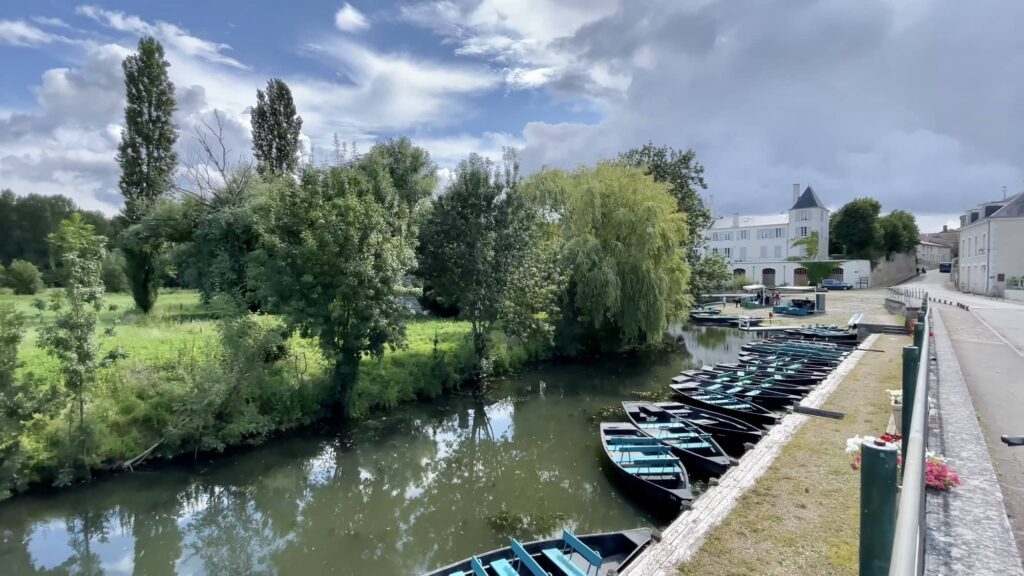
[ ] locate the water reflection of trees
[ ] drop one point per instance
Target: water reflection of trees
(413, 492)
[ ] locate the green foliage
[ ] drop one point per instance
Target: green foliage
(818, 271)
(147, 159)
(854, 228)
(810, 244)
(711, 272)
(476, 244)
(336, 246)
(738, 282)
(71, 338)
(24, 278)
(114, 278)
(413, 174)
(899, 232)
(275, 130)
(12, 326)
(623, 242)
(685, 177)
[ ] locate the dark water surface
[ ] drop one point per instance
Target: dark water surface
(400, 494)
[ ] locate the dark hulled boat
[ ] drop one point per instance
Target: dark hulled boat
(609, 553)
(696, 447)
(765, 397)
(732, 434)
(801, 384)
(725, 404)
(647, 469)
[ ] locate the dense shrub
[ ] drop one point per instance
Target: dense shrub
(24, 278)
(114, 278)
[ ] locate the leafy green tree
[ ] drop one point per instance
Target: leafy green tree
(147, 159)
(855, 228)
(24, 278)
(413, 174)
(335, 247)
(711, 273)
(899, 232)
(685, 177)
(623, 247)
(810, 243)
(114, 278)
(275, 129)
(71, 338)
(476, 243)
(12, 329)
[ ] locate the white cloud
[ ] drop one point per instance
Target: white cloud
(174, 36)
(349, 19)
(52, 22)
(21, 33)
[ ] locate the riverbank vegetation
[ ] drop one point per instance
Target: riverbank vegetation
(809, 489)
(300, 272)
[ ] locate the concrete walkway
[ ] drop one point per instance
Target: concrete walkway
(968, 530)
(989, 345)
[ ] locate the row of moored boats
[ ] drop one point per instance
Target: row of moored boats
(720, 412)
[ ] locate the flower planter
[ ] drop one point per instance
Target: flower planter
(897, 416)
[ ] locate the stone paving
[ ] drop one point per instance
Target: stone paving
(968, 531)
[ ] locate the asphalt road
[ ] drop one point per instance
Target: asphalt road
(989, 344)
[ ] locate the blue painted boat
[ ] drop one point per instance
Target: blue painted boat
(696, 447)
(647, 469)
(600, 554)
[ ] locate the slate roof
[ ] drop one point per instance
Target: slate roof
(1013, 209)
(751, 221)
(808, 200)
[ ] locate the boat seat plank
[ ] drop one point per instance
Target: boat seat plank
(631, 439)
(646, 448)
(526, 560)
(503, 568)
(458, 574)
(477, 566)
(588, 553)
(651, 471)
(692, 445)
(564, 564)
(647, 460)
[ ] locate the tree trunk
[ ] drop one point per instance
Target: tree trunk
(346, 372)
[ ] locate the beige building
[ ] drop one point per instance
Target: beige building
(991, 246)
(930, 254)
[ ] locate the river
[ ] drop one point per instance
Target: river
(399, 494)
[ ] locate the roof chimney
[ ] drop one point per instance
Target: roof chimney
(945, 228)
(736, 220)
(796, 193)
(711, 205)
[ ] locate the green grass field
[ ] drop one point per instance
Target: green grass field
(173, 379)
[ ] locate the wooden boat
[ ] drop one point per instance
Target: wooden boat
(829, 333)
(710, 319)
(609, 553)
(794, 351)
(762, 396)
(707, 380)
(647, 469)
(732, 434)
(695, 447)
(806, 376)
(824, 364)
(725, 404)
(802, 384)
(746, 321)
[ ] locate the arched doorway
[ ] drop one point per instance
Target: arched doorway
(837, 273)
(739, 273)
(800, 277)
(768, 277)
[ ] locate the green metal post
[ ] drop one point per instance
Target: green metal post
(919, 333)
(877, 508)
(910, 363)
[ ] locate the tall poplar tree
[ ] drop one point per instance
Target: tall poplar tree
(275, 129)
(147, 158)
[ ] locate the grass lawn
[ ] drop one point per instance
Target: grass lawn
(802, 517)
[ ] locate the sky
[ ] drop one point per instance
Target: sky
(917, 103)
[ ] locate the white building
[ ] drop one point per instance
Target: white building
(761, 247)
(991, 246)
(932, 253)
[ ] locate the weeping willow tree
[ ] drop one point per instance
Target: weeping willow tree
(623, 244)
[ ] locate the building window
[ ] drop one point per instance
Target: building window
(778, 251)
(803, 231)
(803, 215)
(780, 232)
(764, 251)
(744, 234)
(714, 250)
(743, 252)
(728, 252)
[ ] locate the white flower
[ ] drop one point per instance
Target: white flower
(896, 396)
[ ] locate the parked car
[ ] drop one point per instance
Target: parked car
(833, 284)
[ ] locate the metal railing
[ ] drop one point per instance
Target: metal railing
(908, 546)
(907, 295)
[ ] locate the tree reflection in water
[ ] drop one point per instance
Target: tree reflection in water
(400, 494)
